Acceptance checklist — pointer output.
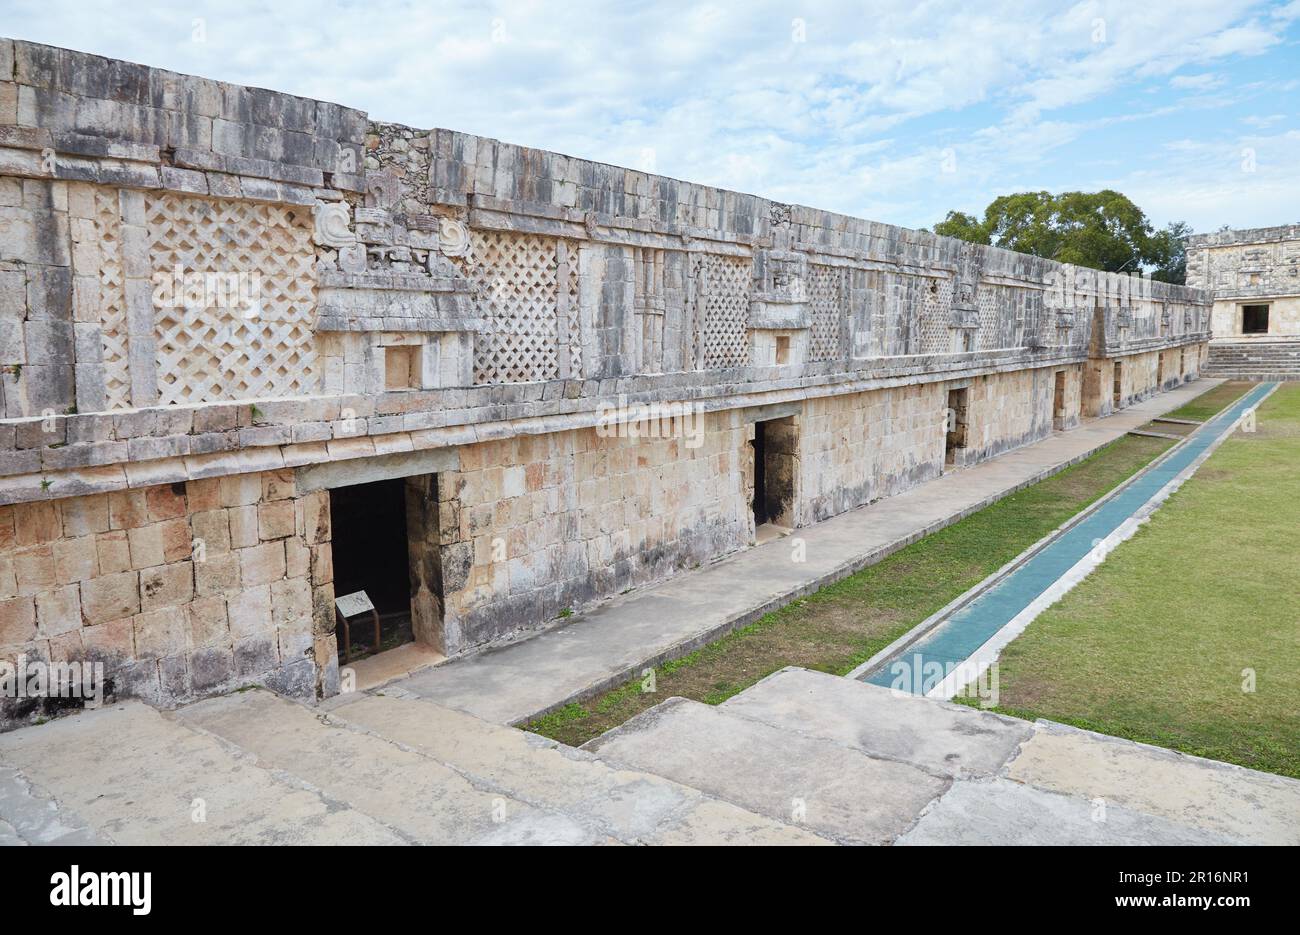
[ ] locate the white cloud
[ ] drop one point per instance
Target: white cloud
(1202, 82)
(854, 118)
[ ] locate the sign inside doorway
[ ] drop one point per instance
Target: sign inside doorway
(350, 605)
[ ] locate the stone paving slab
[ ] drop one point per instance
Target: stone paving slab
(944, 738)
(830, 789)
(1000, 812)
(605, 647)
(630, 806)
(133, 776)
(419, 800)
(30, 817)
(1219, 798)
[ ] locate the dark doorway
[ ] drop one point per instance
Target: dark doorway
(1254, 319)
(368, 523)
(1058, 402)
(1117, 389)
(1160, 371)
(776, 460)
(956, 436)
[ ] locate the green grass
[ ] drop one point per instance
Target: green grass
(1209, 404)
(846, 623)
(1155, 644)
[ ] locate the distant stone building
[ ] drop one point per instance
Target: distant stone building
(257, 351)
(1254, 276)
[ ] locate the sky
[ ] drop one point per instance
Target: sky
(893, 111)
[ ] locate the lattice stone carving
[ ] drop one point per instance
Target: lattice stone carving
(990, 333)
(527, 289)
(225, 351)
(112, 300)
(936, 317)
(828, 319)
(724, 284)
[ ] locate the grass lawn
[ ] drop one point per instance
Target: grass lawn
(1210, 403)
(846, 623)
(1153, 644)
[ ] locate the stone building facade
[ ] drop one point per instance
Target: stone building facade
(1254, 276)
(256, 348)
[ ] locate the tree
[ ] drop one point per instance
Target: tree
(1102, 230)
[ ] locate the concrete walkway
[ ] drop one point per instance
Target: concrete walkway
(969, 640)
(605, 647)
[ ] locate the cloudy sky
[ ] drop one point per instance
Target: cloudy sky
(896, 110)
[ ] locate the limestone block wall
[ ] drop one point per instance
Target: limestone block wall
(535, 525)
(180, 590)
(1138, 377)
(861, 447)
(1005, 411)
(1283, 315)
(1073, 397)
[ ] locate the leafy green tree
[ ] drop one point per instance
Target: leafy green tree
(1102, 230)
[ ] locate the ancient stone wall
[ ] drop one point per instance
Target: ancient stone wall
(201, 282)
(534, 526)
(178, 589)
(862, 447)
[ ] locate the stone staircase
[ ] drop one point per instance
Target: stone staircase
(1255, 359)
(800, 758)
(857, 764)
(372, 769)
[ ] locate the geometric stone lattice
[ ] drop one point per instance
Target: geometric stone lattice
(112, 299)
(827, 313)
(213, 342)
(726, 282)
(990, 334)
(517, 280)
(936, 317)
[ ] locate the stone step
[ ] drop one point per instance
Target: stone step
(937, 736)
(434, 775)
(128, 774)
(827, 787)
(1002, 812)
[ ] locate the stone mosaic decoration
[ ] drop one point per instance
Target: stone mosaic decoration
(208, 352)
(724, 284)
(112, 298)
(526, 284)
(825, 294)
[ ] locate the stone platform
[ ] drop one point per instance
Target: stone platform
(800, 758)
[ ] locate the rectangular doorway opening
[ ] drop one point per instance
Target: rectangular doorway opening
(381, 539)
(1160, 371)
(1117, 387)
(776, 464)
(1254, 319)
(955, 439)
(1058, 402)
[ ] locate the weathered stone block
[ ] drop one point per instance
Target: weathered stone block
(17, 621)
(166, 585)
(75, 559)
(261, 564)
(208, 622)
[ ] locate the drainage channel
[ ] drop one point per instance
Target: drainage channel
(950, 649)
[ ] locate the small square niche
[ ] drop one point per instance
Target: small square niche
(402, 367)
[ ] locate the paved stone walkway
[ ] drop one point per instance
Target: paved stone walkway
(608, 645)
